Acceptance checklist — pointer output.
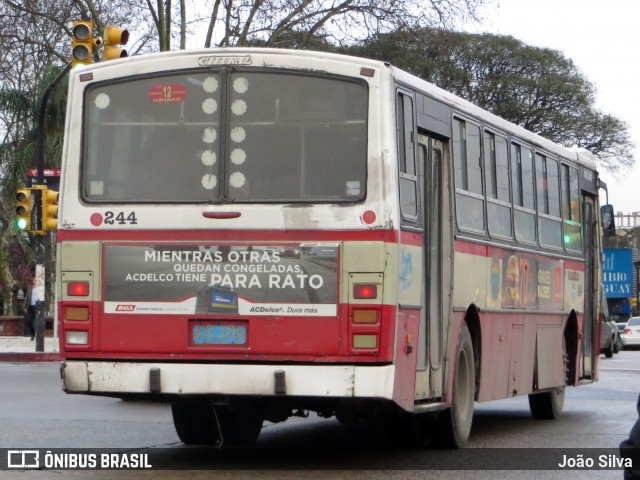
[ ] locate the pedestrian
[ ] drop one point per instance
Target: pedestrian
(30, 311)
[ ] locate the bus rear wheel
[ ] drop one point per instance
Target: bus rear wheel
(452, 426)
(547, 405)
(198, 422)
(194, 421)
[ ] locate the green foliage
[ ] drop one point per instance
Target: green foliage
(18, 153)
(538, 89)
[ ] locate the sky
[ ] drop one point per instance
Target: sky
(602, 37)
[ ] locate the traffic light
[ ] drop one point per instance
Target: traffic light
(23, 209)
(81, 43)
(112, 37)
(49, 209)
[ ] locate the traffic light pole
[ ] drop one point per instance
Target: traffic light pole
(40, 276)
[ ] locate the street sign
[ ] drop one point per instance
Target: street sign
(51, 178)
(617, 272)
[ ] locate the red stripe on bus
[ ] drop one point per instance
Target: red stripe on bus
(390, 236)
(410, 238)
(471, 248)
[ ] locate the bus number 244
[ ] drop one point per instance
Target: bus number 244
(121, 218)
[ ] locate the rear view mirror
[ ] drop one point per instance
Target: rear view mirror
(608, 220)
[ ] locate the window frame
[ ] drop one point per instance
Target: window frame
(546, 215)
(569, 221)
(459, 190)
(407, 150)
(491, 170)
(222, 198)
(518, 175)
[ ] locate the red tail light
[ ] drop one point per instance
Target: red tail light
(627, 330)
(78, 289)
(365, 291)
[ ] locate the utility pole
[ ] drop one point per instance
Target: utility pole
(43, 217)
(39, 195)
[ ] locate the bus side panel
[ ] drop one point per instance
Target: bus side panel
(520, 298)
(496, 352)
(406, 357)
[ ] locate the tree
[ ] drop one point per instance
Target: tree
(223, 22)
(17, 154)
(339, 21)
(538, 89)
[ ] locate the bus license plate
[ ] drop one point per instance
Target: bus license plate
(219, 334)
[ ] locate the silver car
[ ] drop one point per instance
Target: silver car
(631, 333)
(609, 338)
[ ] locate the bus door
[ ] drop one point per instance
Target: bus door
(591, 285)
(429, 381)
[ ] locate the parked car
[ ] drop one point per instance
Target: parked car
(621, 326)
(608, 338)
(631, 333)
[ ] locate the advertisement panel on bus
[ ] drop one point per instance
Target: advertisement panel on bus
(285, 280)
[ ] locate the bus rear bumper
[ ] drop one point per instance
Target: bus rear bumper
(112, 378)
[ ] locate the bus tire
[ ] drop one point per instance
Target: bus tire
(453, 425)
(239, 427)
(194, 421)
(407, 430)
(547, 405)
(198, 422)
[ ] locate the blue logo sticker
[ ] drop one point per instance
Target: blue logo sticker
(222, 298)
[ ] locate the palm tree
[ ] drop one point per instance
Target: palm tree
(19, 111)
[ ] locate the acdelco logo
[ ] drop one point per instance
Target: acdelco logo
(125, 308)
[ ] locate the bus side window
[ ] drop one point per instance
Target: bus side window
(406, 158)
(524, 213)
(548, 188)
(496, 155)
(468, 176)
(571, 209)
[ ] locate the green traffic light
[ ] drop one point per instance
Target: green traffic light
(21, 224)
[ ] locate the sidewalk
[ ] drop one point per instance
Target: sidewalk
(23, 349)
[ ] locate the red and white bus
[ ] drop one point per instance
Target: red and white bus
(251, 233)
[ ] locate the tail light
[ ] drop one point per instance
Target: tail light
(627, 330)
(78, 289)
(76, 311)
(365, 292)
(365, 313)
(77, 337)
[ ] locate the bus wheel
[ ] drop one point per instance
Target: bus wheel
(547, 405)
(195, 421)
(452, 426)
(198, 422)
(239, 427)
(407, 430)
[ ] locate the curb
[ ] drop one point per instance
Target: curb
(15, 357)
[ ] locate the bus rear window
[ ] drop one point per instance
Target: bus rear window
(241, 136)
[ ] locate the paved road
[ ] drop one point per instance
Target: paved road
(35, 413)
